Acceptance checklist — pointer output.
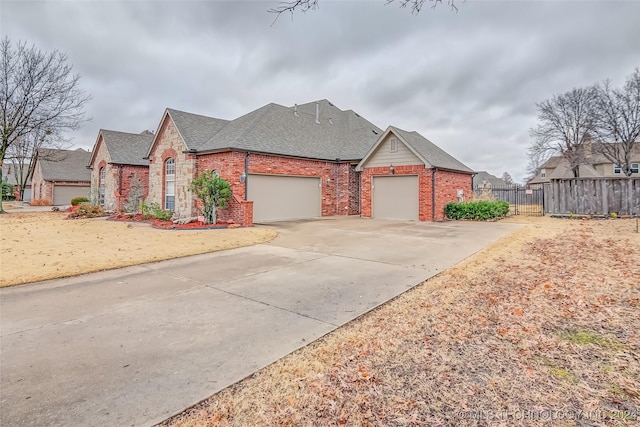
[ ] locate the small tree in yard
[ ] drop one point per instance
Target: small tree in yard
(213, 192)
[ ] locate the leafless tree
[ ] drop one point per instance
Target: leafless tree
(307, 5)
(565, 125)
(39, 95)
(506, 177)
(617, 120)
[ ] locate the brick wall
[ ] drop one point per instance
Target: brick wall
(169, 143)
(424, 187)
(41, 189)
(446, 188)
(130, 174)
(101, 160)
(336, 198)
(447, 185)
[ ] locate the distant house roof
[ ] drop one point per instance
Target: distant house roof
(125, 148)
(9, 173)
(64, 165)
(429, 153)
(480, 177)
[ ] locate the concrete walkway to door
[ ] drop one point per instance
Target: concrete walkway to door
(136, 345)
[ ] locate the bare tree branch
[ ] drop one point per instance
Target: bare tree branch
(39, 95)
(617, 121)
(307, 5)
(565, 126)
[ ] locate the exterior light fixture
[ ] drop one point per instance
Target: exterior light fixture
(243, 177)
(328, 181)
(392, 169)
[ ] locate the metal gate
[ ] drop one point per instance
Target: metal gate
(522, 200)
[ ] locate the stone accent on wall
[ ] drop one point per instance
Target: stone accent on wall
(169, 143)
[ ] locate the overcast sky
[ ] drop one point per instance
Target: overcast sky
(468, 81)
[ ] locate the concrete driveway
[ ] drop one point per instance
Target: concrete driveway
(136, 345)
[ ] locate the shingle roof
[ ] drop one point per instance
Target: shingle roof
(10, 173)
(127, 148)
(195, 129)
(64, 165)
(480, 177)
(429, 152)
(294, 131)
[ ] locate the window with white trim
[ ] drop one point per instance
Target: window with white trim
(101, 185)
(543, 173)
(170, 184)
(617, 170)
(635, 167)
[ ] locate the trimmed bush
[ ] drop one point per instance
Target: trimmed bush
(480, 210)
(77, 200)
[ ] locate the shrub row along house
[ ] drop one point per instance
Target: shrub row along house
(283, 163)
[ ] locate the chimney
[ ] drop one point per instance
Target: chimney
(317, 112)
(295, 110)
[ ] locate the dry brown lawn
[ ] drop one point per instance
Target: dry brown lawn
(541, 328)
(45, 245)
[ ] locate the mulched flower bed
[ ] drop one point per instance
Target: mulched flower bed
(169, 225)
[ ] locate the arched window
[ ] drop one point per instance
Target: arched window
(101, 184)
(170, 184)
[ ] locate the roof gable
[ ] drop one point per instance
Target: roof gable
(127, 148)
(64, 165)
(194, 129)
(430, 154)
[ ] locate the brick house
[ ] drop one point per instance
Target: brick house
(407, 177)
(61, 175)
(282, 162)
(119, 169)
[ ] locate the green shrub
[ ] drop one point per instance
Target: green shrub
(157, 212)
(77, 200)
(480, 210)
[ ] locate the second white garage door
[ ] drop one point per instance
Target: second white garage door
(62, 194)
(279, 198)
(395, 197)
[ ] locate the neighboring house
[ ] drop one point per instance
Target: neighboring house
(595, 165)
(282, 162)
(119, 169)
(483, 178)
(407, 177)
(61, 175)
(10, 175)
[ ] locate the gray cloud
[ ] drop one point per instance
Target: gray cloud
(469, 81)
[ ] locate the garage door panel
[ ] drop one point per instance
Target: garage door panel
(279, 198)
(62, 194)
(395, 197)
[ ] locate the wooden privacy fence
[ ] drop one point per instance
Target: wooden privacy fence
(593, 196)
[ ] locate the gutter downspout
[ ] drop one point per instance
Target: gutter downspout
(120, 171)
(246, 175)
(433, 194)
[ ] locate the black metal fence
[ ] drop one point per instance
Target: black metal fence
(522, 200)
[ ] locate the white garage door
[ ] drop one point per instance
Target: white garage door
(278, 198)
(395, 197)
(62, 194)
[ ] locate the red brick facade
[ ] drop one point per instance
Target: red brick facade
(337, 198)
(447, 184)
